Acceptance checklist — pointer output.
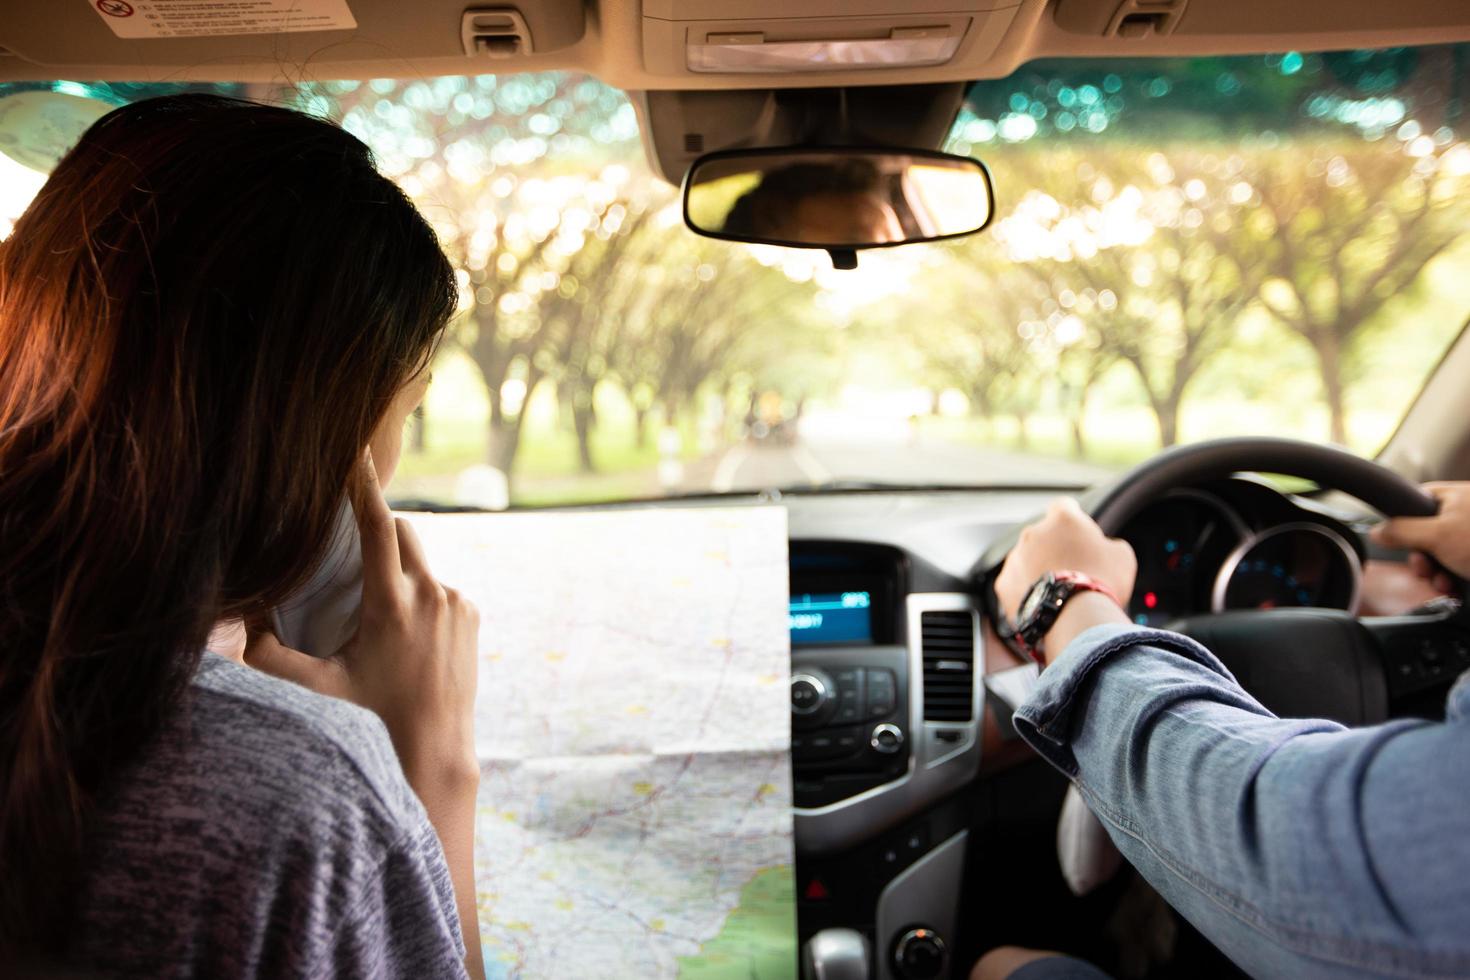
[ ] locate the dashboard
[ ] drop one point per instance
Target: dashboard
(1239, 544)
(889, 646)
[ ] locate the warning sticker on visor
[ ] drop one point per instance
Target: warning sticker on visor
(213, 18)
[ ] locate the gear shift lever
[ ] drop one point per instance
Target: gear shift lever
(836, 954)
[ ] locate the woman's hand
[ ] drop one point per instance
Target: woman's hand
(1445, 536)
(413, 662)
(413, 659)
(1066, 539)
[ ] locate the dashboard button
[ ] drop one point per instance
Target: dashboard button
(849, 740)
(822, 747)
(882, 693)
(916, 841)
(887, 739)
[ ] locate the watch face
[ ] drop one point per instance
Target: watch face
(1033, 601)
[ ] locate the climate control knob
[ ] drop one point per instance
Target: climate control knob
(887, 739)
(809, 692)
(920, 954)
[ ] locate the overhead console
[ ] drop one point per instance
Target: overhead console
(755, 37)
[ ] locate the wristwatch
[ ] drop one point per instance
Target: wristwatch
(1043, 604)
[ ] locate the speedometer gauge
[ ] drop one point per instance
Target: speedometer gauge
(1180, 540)
(1291, 565)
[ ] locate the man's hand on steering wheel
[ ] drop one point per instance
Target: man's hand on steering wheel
(1066, 539)
(1445, 536)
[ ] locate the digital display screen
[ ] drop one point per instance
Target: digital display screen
(831, 617)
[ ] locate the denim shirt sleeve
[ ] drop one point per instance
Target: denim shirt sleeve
(1299, 847)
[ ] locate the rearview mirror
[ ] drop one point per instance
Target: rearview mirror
(837, 198)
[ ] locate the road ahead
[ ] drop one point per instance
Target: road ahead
(755, 466)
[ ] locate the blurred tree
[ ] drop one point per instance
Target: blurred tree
(1080, 366)
(703, 321)
(1147, 257)
(713, 320)
(566, 268)
(988, 341)
(472, 153)
(502, 329)
(591, 306)
(1340, 195)
(1348, 233)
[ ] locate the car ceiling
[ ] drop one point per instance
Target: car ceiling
(642, 46)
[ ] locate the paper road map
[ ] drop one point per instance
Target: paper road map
(633, 730)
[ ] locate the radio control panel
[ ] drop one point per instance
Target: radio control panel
(849, 720)
(845, 696)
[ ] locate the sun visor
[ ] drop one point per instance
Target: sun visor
(759, 37)
(240, 40)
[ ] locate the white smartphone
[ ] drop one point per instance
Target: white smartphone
(322, 615)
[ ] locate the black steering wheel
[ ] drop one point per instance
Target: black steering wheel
(1319, 663)
(1327, 466)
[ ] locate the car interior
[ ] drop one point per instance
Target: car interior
(924, 831)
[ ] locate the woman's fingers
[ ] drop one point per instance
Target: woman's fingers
(411, 554)
(269, 656)
(381, 570)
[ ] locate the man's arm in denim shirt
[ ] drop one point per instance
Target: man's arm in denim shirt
(1300, 848)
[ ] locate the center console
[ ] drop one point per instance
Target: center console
(885, 709)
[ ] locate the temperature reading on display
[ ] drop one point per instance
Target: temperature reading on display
(831, 617)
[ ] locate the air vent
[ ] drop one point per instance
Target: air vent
(948, 644)
(693, 142)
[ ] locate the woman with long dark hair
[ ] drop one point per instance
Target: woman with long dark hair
(208, 315)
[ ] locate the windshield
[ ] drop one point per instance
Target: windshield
(1183, 249)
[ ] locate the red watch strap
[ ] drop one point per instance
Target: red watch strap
(1080, 582)
(1086, 583)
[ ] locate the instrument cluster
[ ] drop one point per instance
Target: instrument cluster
(1238, 545)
